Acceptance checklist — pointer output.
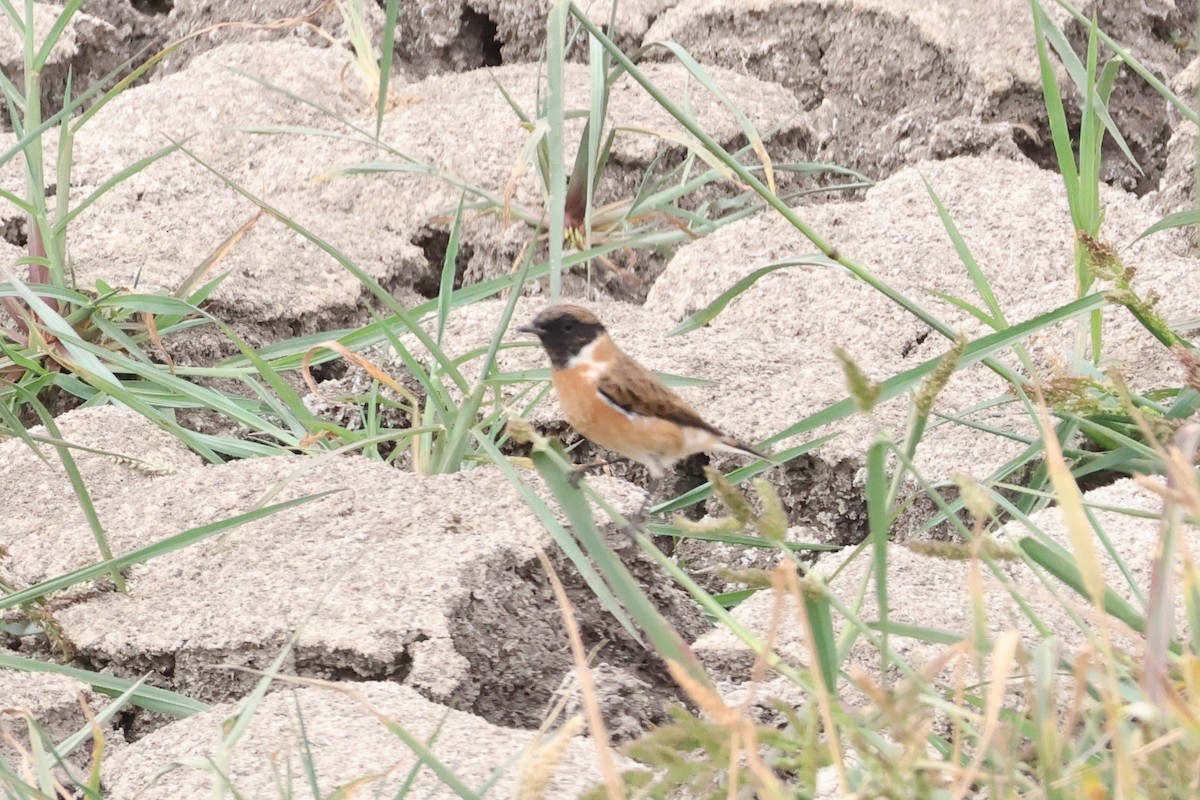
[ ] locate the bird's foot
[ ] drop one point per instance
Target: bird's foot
(638, 521)
(577, 474)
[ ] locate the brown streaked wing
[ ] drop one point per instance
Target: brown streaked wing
(634, 388)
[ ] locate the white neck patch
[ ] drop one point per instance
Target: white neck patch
(586, 358)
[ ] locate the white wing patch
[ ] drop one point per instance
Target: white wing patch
(629, 415)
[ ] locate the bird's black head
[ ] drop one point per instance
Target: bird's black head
(564, 331)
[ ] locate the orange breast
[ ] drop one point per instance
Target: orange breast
(643, 439)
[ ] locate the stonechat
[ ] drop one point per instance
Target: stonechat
(616, 402)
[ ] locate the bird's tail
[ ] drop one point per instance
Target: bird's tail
(728, 444)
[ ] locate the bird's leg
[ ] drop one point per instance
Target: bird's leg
(639, 519)
(576, 475)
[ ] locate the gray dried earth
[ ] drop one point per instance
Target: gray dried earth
(420, 599)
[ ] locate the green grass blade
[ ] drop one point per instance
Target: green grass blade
(898, 384)
(556, 58)
(40, 767)
(449, 269)
(46, 290)
(31, 136)
(365, 135)
(203, 396)
(19, 202)
(387, 54)
(1145, 73)
(120, 86)
(1180, 219)
(437, 398)
(234, 728)
(158, 304)
(151, 551)
(465, 418)
(286, 355)
(78, 486)
(1059, 130)
(710, 312)
(366, 280)
(61, 329)
(1061, 564)
(741, 474)
(975, 352)
(102, 719)
(15, 428)
(542, 374)
(753, 137)
(739, 539)
(310, 771)
(160, 701)
(415, 770)
(978, 279)
(562, 537)
(426, 757)
(824, 640)
(879, 525)
(1104, 88)
(1078, 75)
(665, 640)
(1091, 135)
(918, 632)
(975, 311)
(60, 225)
(298, 418)
(55, 33)
(14, 19)
(508, 98)
(588, 157)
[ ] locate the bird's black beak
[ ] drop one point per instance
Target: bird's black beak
(531, 328)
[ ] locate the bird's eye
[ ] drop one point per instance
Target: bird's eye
(568, 326)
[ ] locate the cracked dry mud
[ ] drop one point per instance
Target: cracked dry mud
(422, 596)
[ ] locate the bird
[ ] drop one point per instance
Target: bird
(615, 402)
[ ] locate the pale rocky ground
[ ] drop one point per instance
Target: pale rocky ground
(347, 742)
(424, 593)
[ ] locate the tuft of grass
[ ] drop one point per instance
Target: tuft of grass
(666, 209)
(375, 70)
(1094, 720)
